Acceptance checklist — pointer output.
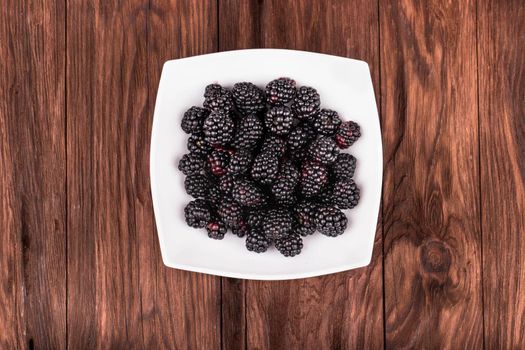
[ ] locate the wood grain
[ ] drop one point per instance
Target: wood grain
(32, 175)
(337, 311)
(501, 39)
(431, 210)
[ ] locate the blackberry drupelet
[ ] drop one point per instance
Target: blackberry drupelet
(330, 221)
(290, 246)
(280, 91)
(327, 122)
(279, 120)
(300, 137)
(277, 224)
(257, 242)
(345, 194)
(218, 98)
(196, 185)
(197, 213)
(265, 168)
(274, 144)
(304, 215)
(314, 178)
(240, 162)
(284, 186)
(344, 166)
(230, 212)
(191, 163)
(218, 161)
(193, 119)
(306, 103)
(216, 228)
(324, 150)
(249, 132)
(347, 134)
(247, 194)
(198, 145)
(218, 129)
(248, 98)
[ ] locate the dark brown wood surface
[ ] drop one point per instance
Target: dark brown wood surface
(80, 264)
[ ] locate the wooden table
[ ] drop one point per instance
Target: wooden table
(80, 265)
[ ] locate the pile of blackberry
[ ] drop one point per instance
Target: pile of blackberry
(267, 165)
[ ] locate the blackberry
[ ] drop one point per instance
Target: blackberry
(299, 156)
(286, 200)
(197, 213)
(218, 129)
(290, 246)
(191, 164)
(257, 242)
(277, 224)
(347, 134)
(239, 162)
(241, 230)
(230, 212)
(247, 194)
(284, 186)
(218, 161)
(217, 98)
(274, 144)
(214, 195)
(324, 150)
(216, 228)
(198, 145)
(256, 218)
(279, 120)
(314, 177)
(345, 194)
(249, 132)
(300, 137)
(226, 184)
(196, 185)
(344, 166)
(303, 230)
(327, 122)
(306, 103)
(193, 119)
(304, 214)
(248, 98)
(330, 221)
(280, 91)
(265, 167)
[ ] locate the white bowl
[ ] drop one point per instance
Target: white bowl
(345, 86)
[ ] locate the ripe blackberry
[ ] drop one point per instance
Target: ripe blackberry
(277, 224)
(299, 156)
(248, 98)
(279, 120)
(274, 144)
(306, 103)
(217, 98)
(304, 214)
(197, 213)
(239, 162)
(226, 184)
(327, 122)
(347, 134)
(218, 161)
(324, 150)
(290, 246)
(193, 119)
(214, 195)
(247, 194)
(216, 228)
(230, 212)
(241, 230)
(300, 137)
(191, 164)
(304, 231)
(198, 145)
(196, 185)
(314, 177)
(284, 186)
(249, 132)
(265, 167)
(256, 218)
(345, 194)
(286, 200)
(344, 166)
(330, 221)
(257, 242)
(218, 129)
(280, 91)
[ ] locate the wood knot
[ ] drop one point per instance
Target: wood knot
(435, 257)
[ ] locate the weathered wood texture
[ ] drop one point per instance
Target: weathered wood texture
(501, 42)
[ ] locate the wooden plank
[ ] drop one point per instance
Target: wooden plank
(337, 311)
(430, 192)
(181, 309)
(501, 39)
(32, 175)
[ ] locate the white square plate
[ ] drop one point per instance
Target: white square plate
(345, 86)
